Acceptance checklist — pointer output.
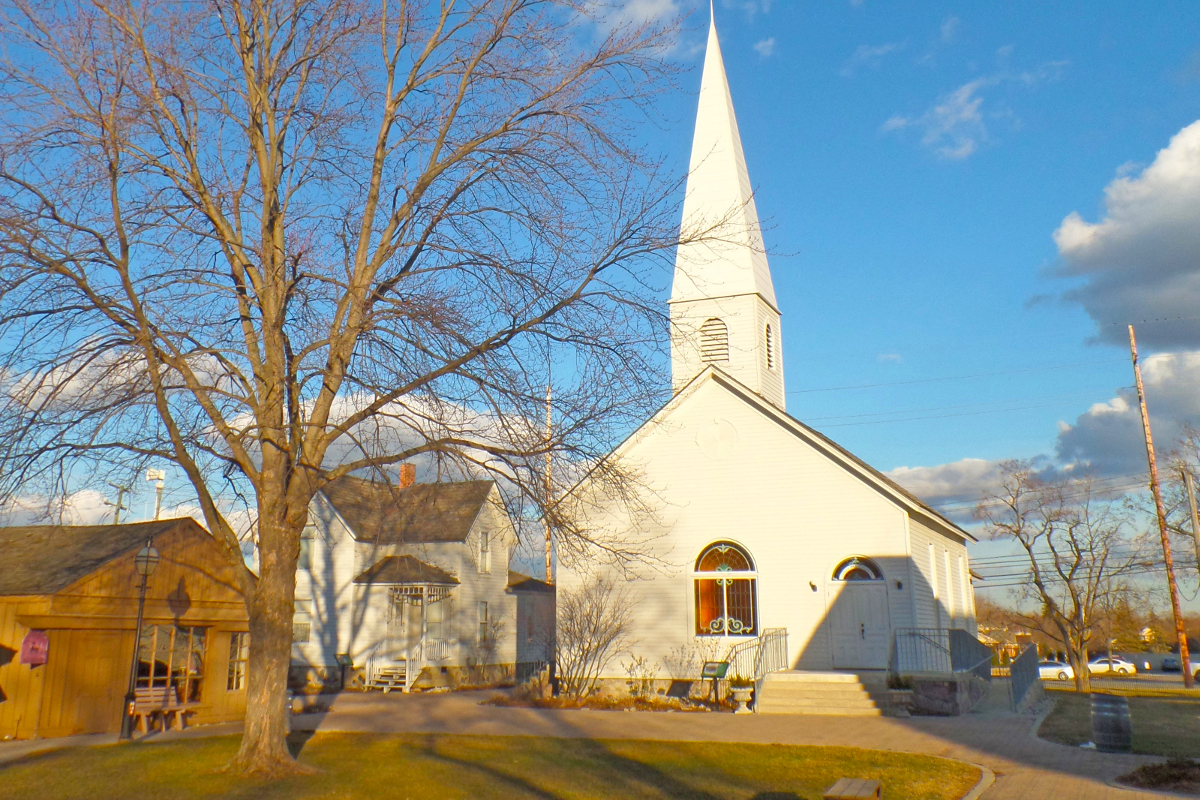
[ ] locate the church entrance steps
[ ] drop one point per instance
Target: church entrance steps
(826, 693)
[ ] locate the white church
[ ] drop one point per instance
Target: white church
(763, 526)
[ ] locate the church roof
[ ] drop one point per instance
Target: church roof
(719, 203)
(422, 513)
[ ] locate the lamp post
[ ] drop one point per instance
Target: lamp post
(145, 561)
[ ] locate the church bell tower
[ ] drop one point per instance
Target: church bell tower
(723, 308)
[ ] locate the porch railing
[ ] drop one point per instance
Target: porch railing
(756, 657)
(939, 650)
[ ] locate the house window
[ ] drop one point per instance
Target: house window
(485, 552)
(302, 623)
(172, 655)
(483, 620)
(239, 656)
(306, 540)
(714, 341)
(726, 592)
(770, 346)
(857, 569)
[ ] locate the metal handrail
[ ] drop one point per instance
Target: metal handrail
(754, 658)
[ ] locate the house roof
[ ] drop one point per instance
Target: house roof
(519, 582)
(383, 513)
(44, 559)
(405, 569)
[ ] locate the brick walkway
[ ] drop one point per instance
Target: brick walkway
(1026, 768)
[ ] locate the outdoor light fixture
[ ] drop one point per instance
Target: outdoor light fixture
(145, 561)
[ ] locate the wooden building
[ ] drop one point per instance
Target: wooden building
(75, 590)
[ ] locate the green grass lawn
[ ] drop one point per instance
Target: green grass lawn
(1162, 726)
(427, 767)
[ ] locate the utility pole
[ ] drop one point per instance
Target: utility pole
(158, 477)
(120, 504)
(546, 507)
(1180, 630)
(1187, 479)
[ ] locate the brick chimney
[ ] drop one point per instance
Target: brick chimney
(408, 475)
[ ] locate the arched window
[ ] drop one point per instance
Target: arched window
(770, 345)
(714, 341)
(857, 569)
(726, 592)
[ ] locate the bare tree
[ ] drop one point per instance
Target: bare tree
(1082, 554)
(273, 243)
(594, 624)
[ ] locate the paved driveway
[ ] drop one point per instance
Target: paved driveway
(1026, 768)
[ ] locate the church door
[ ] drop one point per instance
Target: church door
(861, 631)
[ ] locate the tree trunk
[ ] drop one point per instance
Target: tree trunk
(264, 750)
(1079, 663)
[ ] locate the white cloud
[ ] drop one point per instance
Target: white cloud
(1107, 439)
(1141, 260)
(85, 507)
(766, 47)
(954, 127)
(950, 28)
(962, 480)
(866, 55)
(642, 11)
(890, 357)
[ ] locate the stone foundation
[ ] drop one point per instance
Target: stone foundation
(945, 695)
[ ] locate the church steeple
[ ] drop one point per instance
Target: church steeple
(723, 308)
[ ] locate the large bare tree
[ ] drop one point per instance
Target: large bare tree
(273, 242)
(1082, 553)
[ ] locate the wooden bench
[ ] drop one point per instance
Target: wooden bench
(854, 789)
(160, 702)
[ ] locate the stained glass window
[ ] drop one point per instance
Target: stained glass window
(726, 602)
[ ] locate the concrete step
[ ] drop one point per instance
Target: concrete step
(828, 693)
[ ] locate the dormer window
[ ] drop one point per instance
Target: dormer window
(714, 341)
(485, 552)
(769, 343)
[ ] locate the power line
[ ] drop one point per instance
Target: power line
(966, 405)
(975, 375)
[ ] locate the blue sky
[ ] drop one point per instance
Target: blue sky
(912, 164)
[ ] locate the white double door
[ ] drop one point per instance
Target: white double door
(859, 624)
(403, 628)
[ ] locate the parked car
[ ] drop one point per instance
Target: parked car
(1172, 664)
(1116, 665)
(1055, 671)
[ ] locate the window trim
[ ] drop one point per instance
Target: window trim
(847, 565)
(239, 661)
(769, 341)
(724, 582)
(714, 341)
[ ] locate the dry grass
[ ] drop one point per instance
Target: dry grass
(431, 767)
(1162, 726)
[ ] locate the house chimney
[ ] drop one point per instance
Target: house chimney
(408, 475)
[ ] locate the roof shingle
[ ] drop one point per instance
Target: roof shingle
(382, 513)
(405, 569)
(44, 559)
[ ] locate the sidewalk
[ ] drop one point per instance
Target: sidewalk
(1025, 767)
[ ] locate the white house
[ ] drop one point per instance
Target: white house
(762, 523)
(409, 584)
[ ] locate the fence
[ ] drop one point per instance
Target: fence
(1024, 671)
(763, 654)
(527, 669)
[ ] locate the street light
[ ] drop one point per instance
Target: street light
(145, 561)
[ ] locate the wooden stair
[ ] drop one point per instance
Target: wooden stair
(842, 694)
(389, 677)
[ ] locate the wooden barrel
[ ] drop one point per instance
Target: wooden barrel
(1110, 723)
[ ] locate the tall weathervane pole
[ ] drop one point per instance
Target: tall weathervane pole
(1180, 630)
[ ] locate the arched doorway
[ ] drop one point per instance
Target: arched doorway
(858, 615)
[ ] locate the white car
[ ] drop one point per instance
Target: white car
(1055, 671)
(1116, 664)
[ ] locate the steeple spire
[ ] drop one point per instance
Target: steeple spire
(724, 278)
(719, 193)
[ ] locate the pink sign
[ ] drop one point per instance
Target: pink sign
(35, 648)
